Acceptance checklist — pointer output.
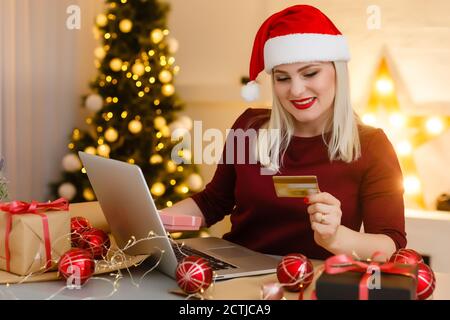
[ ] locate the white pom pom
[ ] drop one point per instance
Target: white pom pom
(67, 190)
(94, 102)
(71, 163)
(250, 92)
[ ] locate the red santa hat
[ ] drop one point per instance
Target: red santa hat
(300, 33)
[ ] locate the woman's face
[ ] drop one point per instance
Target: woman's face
(306, 91)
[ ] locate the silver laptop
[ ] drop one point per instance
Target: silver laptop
(129, 208)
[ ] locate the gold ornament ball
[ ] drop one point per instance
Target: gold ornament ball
(99, 53)
(111, 134)
(165, 76)
(135, 126)
(103, 150)
(125, 25)
(167, 90)
(155, 159)
(88, 194)
(116, 64)
(91, 150)
(101, 20)
(171, 166)
(158, 189)
(156, 35)
(159, 122)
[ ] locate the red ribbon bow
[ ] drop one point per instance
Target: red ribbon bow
(20, 207)
(344, 263)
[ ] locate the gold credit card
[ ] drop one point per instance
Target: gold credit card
(295, 186)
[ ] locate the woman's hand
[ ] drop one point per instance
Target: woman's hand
(325, 216)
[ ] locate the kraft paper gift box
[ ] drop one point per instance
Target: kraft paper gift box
(35, 241)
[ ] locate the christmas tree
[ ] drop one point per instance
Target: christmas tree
(133, 106)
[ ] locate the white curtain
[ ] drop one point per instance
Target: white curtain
(44, 70)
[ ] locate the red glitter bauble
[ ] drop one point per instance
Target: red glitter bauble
(77, 264)
(77, 226)
(96, 241)
(426, 281)
(406, 256)
(295, 269)
(194, 274)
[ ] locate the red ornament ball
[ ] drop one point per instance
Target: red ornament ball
(96, 241)
(406, 256)
(295, 269)
(272, 291)
(426, 281)
(77, 226)
(194, 274)
(76, 264)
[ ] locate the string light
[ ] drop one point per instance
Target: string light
(159, 122)
(165, 76)
(173, 182)
(107, 35)
(404, 148)
(156, 35)
(111, 134)
(131, 161)
(135, 126)
(116, 64)
(158, 189)
(101, 20)
(156, 102)
(103, 150)
(88, 194)
(155, 159)
(71, 146)
(169, 204)
(108, 79)
(125, 25)
(83, 170)
(167, 90)
(115, 100)
(412, 185)
(124, 114)
(171, 166)
(159, 135)
(141, 94)
(138, 69)
(384, 86)
(434, 126)
(151, 80)
(76, 134)
(90, 150)
(148, 68)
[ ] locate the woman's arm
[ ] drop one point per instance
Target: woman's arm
(186, 207)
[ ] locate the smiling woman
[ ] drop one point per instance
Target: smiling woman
(319, 135)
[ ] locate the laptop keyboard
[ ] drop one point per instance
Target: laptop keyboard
(216, 264)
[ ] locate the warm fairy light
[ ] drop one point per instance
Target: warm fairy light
(116, 64)
(135, 77)
(151, 80)
(107, 35)
(166, 32)
(125, 25)
(412, 185)
(135, 126)
(129, 74)
(100, 141)
(141, 94)
(115, 100)
(155, 159)
(138, 69)
(182, 189)
(171, 61)
(156, 102)
(173, 182)
(99, 129)
(384, 86)
(159, 122)
(369, 119)
(180, 169)
(434, 126)
(111, 16)
(111, 134)
(159, 135)
(109, 99)
(131, 161)
(176, 69)
(99, 53)
(171, 166)
(138, 84)
(165, 76)
(156, 35)
(158, 189)
(124, 114)
(397, 120)
(159, 146)
(76, 134)
(114, 81)
(110, 115)
(103, 150)
(404, 148)
(167, 90)
(169, 204)
(146, 89)
(165, 131)
(124, 67)
(151, 53)
(83, 170)
(90, 150)
(123, 1)
(101, 20)
(148, 69)
(71, 146)
(108, 78)
(88, 194)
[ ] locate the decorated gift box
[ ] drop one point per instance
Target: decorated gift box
(180, 222)
(33, 235)
(348, 279)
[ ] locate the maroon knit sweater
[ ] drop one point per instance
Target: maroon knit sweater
(370, 191)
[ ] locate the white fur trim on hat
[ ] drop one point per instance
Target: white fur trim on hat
(250, 92)
(304, 47)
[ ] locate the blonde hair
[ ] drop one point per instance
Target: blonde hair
(344, 141)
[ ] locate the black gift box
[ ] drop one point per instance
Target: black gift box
(345, 286)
